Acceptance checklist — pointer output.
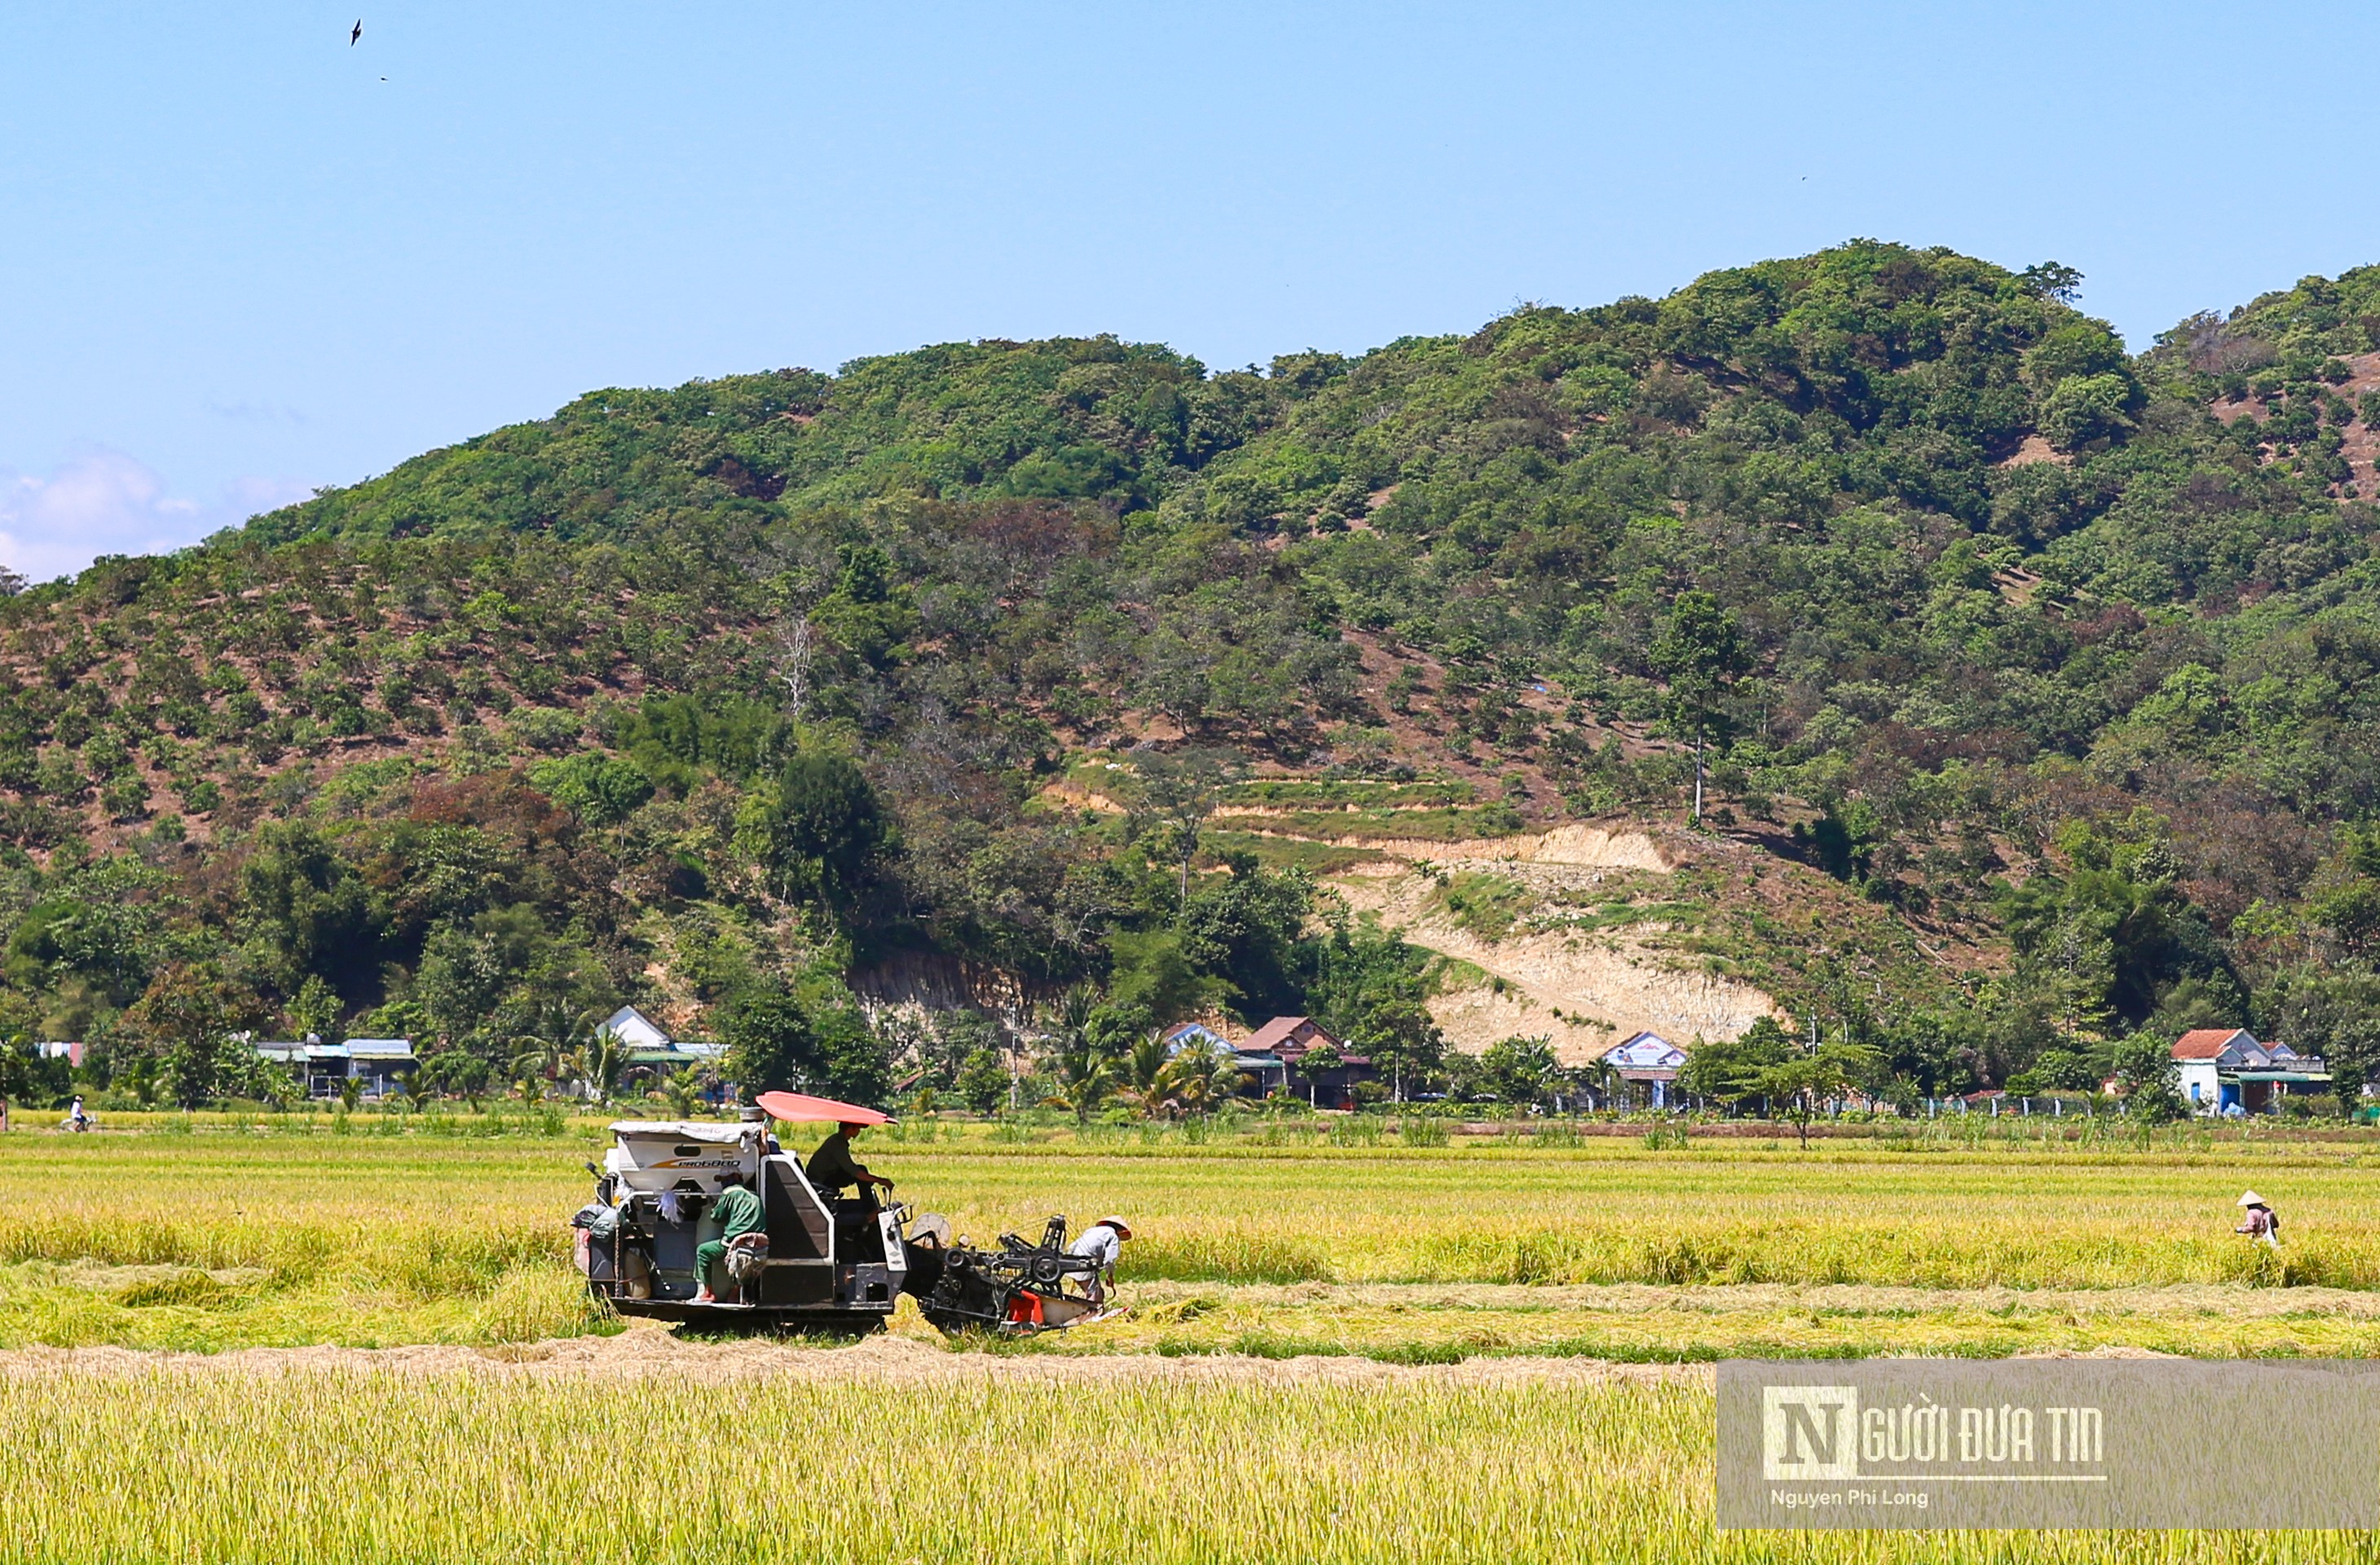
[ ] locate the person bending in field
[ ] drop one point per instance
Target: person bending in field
(737, 1207)
(1102, 1242)
(834, 1170)
(2259, 1221)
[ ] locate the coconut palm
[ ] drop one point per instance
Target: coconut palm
(1085, 1071)
(601, 1064)
(554, 1041)
(1201, 1077)
(1144, 1083)
(1085, 1079)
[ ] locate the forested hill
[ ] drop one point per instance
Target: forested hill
(2061, 657)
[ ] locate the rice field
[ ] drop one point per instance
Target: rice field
(1359, 1350)
(333, 1465)
(236, 1235)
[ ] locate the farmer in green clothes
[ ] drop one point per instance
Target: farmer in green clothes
(737, 1207)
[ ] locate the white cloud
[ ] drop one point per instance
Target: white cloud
(106, 502)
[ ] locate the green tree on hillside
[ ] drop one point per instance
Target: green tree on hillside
(820, 832)
(2117, 934)
(1699, 653)
(1179, 791)
(804, 1033)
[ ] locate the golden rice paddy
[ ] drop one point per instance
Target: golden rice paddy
(1333, 1352)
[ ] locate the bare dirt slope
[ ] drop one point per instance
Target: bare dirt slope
(1584, 989)
(1586, 847)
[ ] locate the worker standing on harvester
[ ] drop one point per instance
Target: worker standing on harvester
(832, 1168)
(737, 1207)
(1102, 1242)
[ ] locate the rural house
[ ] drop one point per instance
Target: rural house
(1645, 1068)
(375, 1064)
(1267, 1072)
(1182, 1034)
(1290, 1039)
(2226, 1071)
(635, 1029)
(651, 1049)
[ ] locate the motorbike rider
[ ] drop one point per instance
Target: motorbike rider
(75, 1117)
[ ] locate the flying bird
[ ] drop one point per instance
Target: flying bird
(355, 32)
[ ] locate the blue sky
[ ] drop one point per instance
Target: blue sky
(236, 262)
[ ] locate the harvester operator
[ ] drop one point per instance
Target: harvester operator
(832, 1168)
(737, 1207)
(1102, 1242)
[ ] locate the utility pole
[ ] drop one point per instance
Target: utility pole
(1698, 771)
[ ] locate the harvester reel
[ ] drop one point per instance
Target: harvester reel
(1019, 1288)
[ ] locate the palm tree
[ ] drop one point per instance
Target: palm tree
(1085, 1073)
(1201, 1078)
(554, 1041)
(1086, 1077)
(601, 1064)
(1145, 1076)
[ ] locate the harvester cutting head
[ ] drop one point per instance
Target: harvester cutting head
(1018, 1288)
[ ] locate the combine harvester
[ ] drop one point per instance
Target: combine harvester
(831, 1263)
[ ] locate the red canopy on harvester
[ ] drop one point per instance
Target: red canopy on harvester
(796, 1107)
